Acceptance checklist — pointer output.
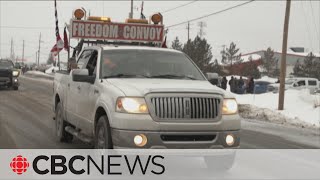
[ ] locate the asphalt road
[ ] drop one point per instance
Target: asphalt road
(26, 122)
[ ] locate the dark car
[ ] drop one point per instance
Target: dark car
(261, 87)
(8, 75)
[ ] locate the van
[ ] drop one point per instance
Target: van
(305, 83)
(298, 83)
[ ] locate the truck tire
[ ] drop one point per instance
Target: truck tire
(60, 124)
(102, 138)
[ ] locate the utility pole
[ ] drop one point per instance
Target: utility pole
(131, 12)
(11, 50)
(188, 28)
(22, 52)
(36, 57)
(39, 50)
(202, 25)
(12, 55)
(284, 56)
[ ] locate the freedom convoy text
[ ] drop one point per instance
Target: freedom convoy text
(116, 31)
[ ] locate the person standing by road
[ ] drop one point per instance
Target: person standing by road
(250, 86)
(240, 86)
(224, 83)
(232, 84)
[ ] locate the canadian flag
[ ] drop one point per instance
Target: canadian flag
(57, 47)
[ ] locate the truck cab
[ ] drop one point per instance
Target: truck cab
(121, 95)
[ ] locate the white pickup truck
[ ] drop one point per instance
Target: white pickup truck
(142, 97)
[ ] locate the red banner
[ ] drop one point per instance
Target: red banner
(116, 31)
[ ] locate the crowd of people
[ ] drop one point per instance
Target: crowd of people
(238, 86)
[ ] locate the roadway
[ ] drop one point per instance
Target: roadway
(26, 122)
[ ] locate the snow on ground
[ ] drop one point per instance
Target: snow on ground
(39, 73)
(51, 70)
(300, 108)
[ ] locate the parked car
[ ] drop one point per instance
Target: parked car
(262, 87)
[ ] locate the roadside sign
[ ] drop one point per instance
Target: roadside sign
(81, 29)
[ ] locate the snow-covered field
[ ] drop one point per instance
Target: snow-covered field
(300, 107)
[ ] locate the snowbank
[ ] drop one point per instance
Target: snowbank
(300, 107)
(39, 74)
(51, 70)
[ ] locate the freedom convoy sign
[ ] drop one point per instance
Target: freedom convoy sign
(116, 31)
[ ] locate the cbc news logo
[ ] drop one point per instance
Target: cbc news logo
(19, 164)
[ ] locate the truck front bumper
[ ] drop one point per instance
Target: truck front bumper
(9, 81)
(123, 139)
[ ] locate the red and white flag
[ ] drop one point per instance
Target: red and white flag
(59, 43)
(164, 43)
(65, 39)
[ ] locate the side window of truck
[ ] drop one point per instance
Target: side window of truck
(92, 63)
(84, 58)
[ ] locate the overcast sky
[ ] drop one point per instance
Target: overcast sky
(252, 27)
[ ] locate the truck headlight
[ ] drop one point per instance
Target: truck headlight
(15, 73)
(132, 105)
(230, 106)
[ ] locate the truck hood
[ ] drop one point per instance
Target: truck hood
(140, 87)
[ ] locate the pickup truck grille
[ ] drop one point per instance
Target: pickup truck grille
(186, 107)
(5, 73)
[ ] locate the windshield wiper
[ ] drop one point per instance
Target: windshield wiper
(173, 76)
(126, 76)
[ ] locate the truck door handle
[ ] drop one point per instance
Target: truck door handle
(95, 91)
(68, 85)
(78, 87)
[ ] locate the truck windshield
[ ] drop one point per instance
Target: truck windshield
(6, 64)
(148, 64)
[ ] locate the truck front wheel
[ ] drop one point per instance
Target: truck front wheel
(61, 134)
(102, 138)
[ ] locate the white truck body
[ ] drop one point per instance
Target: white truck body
(182, 113)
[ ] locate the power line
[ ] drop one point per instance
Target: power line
(171, 9)
(211, 14)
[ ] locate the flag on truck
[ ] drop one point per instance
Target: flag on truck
(59, 43)
(65, 39)
(142, 16)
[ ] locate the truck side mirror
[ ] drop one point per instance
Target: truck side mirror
(82, 75)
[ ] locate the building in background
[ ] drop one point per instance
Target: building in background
(293, 55)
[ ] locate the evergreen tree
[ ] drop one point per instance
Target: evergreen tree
(298, 69)
(231, 56)
(216, 67)
(176, 44)
(269, 61)
(200, 52)
(308, 68)
(276, 72)
(251, 69)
